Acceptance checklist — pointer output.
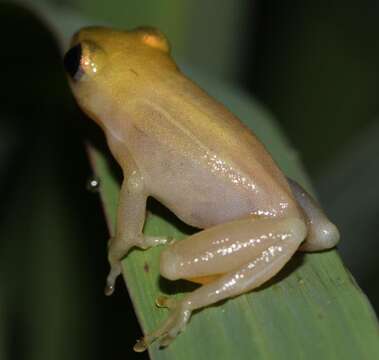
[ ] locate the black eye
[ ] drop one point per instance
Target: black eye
(71, 62)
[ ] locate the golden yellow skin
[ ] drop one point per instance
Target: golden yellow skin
(176, 143)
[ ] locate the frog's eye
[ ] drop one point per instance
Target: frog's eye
(84, 60)
(72, 62)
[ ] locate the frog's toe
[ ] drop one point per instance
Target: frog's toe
(111, 278)
(141, 345)
(165, 302)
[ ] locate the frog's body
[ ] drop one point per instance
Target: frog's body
(176, 143)
(176, 172)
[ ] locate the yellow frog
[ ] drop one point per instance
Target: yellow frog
(179, 145)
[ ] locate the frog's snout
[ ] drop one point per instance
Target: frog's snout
(72, 62)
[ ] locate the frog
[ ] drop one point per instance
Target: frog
(176, 143)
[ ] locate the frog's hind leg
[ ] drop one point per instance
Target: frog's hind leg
(322, 234)
(246, 267)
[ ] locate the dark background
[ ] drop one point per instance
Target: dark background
(314, 65)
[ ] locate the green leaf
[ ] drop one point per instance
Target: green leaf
(312, 309)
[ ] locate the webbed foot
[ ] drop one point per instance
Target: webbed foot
(175, 323)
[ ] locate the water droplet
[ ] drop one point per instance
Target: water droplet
(93, 184)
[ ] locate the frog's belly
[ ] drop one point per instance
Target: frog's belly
(198, 197)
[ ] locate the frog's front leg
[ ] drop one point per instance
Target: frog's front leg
(129, 225)
(251, 251)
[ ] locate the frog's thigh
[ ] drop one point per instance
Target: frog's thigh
(254, 272)
(211, 253)
(322, 234)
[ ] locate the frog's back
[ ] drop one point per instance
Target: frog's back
(213, 124)
(199, 159)
(228, 145)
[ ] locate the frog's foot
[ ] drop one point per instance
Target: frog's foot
(178, 318)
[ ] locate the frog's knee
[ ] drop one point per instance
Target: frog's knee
(170, 263)
(321, 237)
(322, 234)
(329, 235)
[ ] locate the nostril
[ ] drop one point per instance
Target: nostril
(71, 61)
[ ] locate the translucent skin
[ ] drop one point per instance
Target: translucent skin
(176, 143)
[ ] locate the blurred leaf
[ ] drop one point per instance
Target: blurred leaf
(176, 19)
(353, 178)
(316, 67)
(52, 232)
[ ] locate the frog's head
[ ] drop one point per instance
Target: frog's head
(106, 67)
